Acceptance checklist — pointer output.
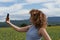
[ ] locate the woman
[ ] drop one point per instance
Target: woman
(38, 27)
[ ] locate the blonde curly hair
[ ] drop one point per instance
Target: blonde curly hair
(38, 18)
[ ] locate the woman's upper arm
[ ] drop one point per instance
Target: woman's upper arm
(24, 29)
(44, 33)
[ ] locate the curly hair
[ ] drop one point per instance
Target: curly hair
(38, 18)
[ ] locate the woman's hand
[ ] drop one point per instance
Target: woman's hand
(7, 19)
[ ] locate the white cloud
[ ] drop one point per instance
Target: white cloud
(49, 5)
(58, 1)
(17, 9)
(20, 14)
(51, 12)
(35, 1)
(12, 8)
(22, 11)
(38, 1)
(50, 9)
(7, 0)
(46, 12)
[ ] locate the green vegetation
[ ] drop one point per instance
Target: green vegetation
(10, 34)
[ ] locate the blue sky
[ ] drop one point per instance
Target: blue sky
(19, 9)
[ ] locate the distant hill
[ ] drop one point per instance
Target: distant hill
(16, 22)
(54, 20)
(50, 20)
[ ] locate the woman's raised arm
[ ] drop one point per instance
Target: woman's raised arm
(20, 29)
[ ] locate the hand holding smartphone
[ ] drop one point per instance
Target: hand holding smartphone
(7, 17)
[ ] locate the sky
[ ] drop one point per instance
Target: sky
(19, 9)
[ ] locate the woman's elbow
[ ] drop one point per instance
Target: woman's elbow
(48, 38)
(18, 30)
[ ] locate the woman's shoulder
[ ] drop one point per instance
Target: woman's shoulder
(42, 30)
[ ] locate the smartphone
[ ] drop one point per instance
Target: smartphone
(8, 15)
(7, 18)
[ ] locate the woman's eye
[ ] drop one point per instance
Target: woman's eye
(34, 14)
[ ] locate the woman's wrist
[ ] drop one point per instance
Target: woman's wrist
(9, 23)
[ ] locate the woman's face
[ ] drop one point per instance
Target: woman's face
(32, 17)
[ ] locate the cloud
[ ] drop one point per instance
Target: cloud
(18, 11)
(38, 1)
(14, 7)
(49, 5)
(52, 7)
(20, 14)
(11, 10)
(51, 12)
(58, 1)
(6, 0)
(19, 17)
(22, 11)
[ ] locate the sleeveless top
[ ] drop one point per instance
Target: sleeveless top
(32, 34)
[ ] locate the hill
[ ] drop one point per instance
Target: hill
(50, 20)
(16, 22)
(53, 20)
